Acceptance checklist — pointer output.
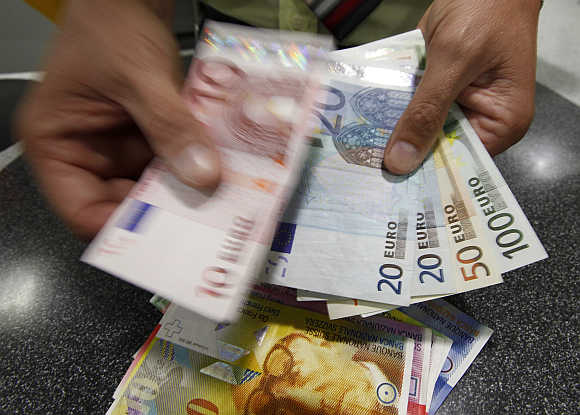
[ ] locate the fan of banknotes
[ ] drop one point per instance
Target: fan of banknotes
(306, 209)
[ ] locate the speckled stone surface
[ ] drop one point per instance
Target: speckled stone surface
(68, 331)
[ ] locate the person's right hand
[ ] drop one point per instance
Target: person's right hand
(110, 100)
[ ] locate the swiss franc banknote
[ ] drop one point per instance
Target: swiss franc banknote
(468, 335)
(171, 380)
(349, 229)
(302, 360)
(440, 348)
(254, 90)
(420, 376)
(422, 338)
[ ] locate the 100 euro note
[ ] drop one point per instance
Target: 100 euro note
(254, 91)
(302, 362)
(505, 225)
(349, 229)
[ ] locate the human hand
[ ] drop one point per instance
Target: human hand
(110, 100)
(483, 55)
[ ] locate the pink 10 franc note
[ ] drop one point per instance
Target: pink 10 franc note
(254, 90)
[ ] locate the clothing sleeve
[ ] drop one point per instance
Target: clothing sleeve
(49, 8)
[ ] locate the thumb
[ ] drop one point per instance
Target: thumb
(418, 127)
(175, 136)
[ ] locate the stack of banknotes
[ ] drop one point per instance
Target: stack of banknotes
(287, 357)
(306, 209)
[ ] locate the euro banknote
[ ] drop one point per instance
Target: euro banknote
(505, 224)
(468, 335)
(301, 359)
(202, 250)
(349, 220)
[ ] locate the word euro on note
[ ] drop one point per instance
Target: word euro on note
(349, 228)
(254, 91)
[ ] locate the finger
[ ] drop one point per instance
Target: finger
(417, 129)
(84, 200)
(159, 109)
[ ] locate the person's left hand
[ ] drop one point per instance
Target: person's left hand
(483, 55)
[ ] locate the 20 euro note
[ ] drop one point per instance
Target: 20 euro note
(254, 91)
(468, 335)
(349, 229)
(306, 364)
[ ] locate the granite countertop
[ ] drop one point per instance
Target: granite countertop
(68, 331)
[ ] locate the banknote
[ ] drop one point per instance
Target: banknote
(341, 307)
(468, 335)
(440, 348)
(422, 337)
(405, 52)
(349, 220)
(172, 380)
(301, 359)
(505, 224)
(202, 250)
(474, 259)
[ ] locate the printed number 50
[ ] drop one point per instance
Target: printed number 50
(478, 254)
(398, 273)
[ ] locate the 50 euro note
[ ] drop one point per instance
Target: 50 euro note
(348, 230)
(254, 91)
(300, 361)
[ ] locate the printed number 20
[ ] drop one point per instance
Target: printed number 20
(424, 266)
(386, 277)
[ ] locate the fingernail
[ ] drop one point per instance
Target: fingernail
(197, 164)
(402, 158)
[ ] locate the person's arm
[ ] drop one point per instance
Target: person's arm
(110, 100)
(481, 54)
